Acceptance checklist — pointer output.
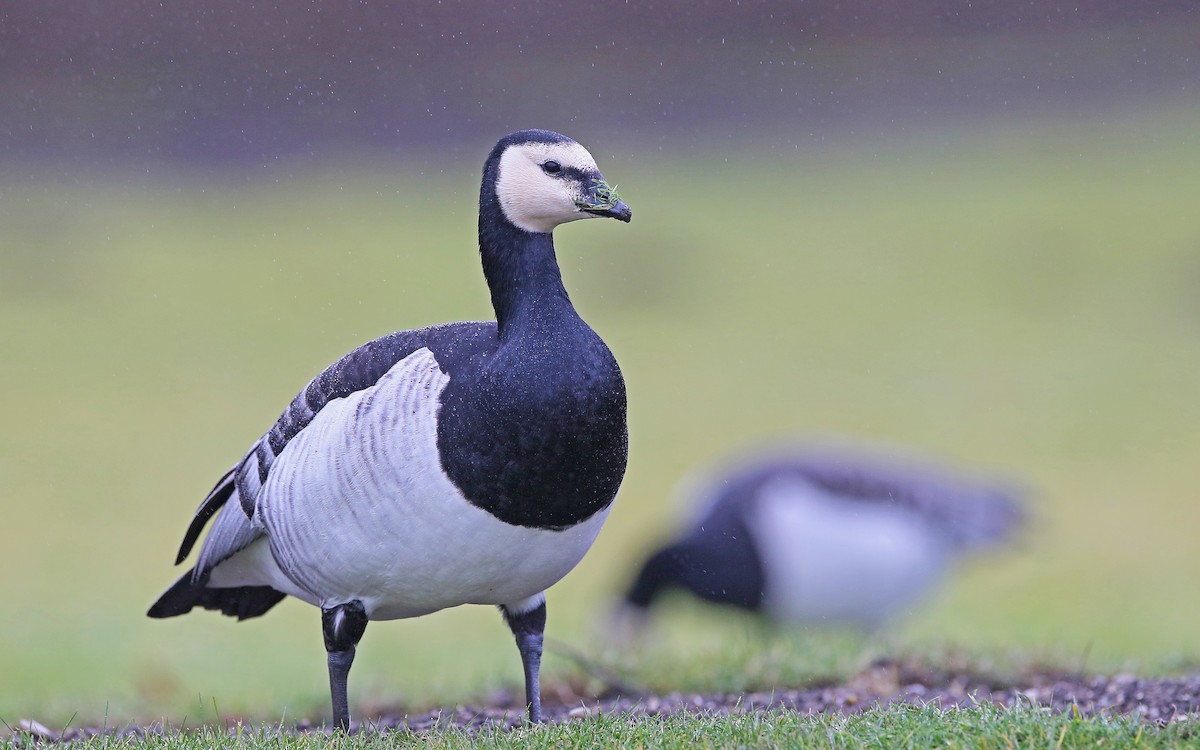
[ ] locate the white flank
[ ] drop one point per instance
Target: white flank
(357, 506)
(534, 200)
(835, 559)
(253, 566)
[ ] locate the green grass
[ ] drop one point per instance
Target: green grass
(906, 726)
(1018, 298)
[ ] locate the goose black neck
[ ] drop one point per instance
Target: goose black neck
(520, 267)
(723, 569)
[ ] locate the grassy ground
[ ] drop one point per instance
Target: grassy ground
(1017, 298)
(983, 728)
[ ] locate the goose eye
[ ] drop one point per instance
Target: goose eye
(552, 167)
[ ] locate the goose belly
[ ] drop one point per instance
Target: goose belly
(358, 506)
(834, 560)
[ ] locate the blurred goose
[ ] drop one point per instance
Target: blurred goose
(467, 463)
(824, 535)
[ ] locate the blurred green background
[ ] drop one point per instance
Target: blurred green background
(1002, 275)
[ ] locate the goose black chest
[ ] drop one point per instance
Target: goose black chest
(468, 463)
(534, 432)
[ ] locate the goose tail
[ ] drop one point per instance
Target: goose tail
(242, 602)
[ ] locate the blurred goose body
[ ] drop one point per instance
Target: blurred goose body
(468, 463)
(827, 536)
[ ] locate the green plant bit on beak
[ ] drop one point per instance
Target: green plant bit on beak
(605, 196)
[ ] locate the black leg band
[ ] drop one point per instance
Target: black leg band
(343, 625)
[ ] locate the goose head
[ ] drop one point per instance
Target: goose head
(538, 179)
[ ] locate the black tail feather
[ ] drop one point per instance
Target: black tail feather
(242, 602)
(212, 503)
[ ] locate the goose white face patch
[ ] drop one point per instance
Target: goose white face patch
(534, 200)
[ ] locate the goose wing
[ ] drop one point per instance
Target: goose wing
(234, 528)
(973, 511)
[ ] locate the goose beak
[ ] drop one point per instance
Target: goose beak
(600, 199)
(618, 211)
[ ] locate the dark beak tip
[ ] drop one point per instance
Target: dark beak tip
(618, 211)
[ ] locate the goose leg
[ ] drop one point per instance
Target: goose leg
(342, 626)
(528, 628)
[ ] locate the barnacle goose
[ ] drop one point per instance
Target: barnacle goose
(823, 534)
(467, 463)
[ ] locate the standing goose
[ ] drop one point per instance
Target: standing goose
(467, 463)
